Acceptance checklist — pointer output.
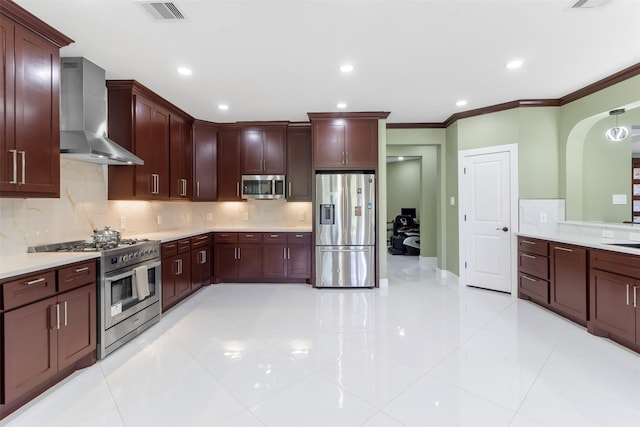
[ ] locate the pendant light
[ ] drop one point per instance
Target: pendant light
(617, 133)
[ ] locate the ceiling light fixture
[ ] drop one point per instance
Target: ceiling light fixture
(514, 64)
(400, 158)
(346, 68)
(223, 107)
(341, 105)
(461, 103)
(184, 71)
(617, 133)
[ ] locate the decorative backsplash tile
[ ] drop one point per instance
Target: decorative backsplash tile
(83, 206)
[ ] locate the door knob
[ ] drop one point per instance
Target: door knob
(505, 229)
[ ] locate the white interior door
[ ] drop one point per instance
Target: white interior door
(487, 221)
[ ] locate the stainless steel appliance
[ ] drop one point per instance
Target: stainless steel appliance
(263, 187)
(345, 230)
(129, 287)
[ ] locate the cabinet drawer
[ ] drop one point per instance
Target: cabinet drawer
(534, 265)
(225, 237)
(275, 238)
(76, 275)
(200, 241)
(184, 246)
(536, 289)
(299, 238)
(29, 289)
(615, 262)
(169, 249)
(250, 237)
(533, 246)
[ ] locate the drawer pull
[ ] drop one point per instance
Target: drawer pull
(80, 270)
(627, 294)
(299, 236)
(274, 235)
(528, 256)
(564, 249)
(248, 235)
(33, 282)
(635, 297)
(528, 242)
(57, 316)
(529, 279)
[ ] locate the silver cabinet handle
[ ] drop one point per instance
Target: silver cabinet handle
(203, 257)
(80, 270)
(248, 235)
(564, 249)
(346, 162)
(24, 166)
(237, 189)
(273, 235)
(198, 188)
(57, 316)
(65, 313)
(529, 279)
(288, 253)
(528, 256)
(284, 253)
(14, 153)
(529, 242)
(627, 294)
(289, 188)
(33, 282)
(635, 297)
(239, 254)
(342, 160)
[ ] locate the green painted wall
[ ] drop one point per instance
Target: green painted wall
(450, 259)
(403, 187)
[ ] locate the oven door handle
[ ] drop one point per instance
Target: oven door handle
(130, 272)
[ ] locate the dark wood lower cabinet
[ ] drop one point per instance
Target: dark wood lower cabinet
(176, 272)
(45, 338)
(568, 267)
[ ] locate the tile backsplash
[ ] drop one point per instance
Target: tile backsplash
(540, 215)
(83, 206)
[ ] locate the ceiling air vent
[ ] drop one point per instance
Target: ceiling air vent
(589, 4)
(164, 12)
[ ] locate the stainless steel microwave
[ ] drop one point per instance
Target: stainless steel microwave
(263, 187)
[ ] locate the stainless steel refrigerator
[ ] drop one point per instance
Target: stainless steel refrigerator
(345, 230)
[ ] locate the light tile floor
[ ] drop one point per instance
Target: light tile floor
(423, 352)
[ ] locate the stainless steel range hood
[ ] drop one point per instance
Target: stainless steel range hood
(83, 116)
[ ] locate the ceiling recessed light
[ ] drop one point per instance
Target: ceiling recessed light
(341, 105)
(223, 107)
(401, 158)
(184, 71)
(514, 64)
(461, 103)
(346, 68)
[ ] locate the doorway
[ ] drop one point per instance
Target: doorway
(488, 192)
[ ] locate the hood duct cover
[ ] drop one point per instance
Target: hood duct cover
(83, 116)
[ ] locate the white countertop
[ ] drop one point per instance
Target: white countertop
(25, 263)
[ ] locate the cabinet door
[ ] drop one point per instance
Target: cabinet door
(228, 165)
(8, 171)
(611, 305)
(299, 170)
(274, 261)
(250, 261)
(183, 275)
(274, 150)
(205, 140)
(200, 267)
(77, 334)
(37, 114)
(152, 146)
(251, 151)
(299, 262)
(169, 288)
(225, 261)
(569, 280)
(30, 347)
(361, 146)
(328, 143)
(180, 158)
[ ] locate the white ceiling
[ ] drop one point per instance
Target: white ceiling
(278, 60)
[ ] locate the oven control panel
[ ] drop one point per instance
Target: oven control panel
(123, 257)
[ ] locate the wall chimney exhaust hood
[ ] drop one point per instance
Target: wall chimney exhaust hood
(83, 116)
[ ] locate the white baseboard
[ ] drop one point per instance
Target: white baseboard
(384, 283)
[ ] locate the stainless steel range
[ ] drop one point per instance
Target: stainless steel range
(129, 287)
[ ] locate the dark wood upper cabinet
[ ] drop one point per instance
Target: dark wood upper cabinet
(228, 164)
(299, 172)
(345, 140)
(205, 159)
(29, 104)
(180, 159)
(144, 123)
(262, 148)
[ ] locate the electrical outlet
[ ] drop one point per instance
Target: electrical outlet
(608, 234)
(209, 216)
(542, 218)
(245, 215)
(123, 223)
(300, 215)
(159, 219)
